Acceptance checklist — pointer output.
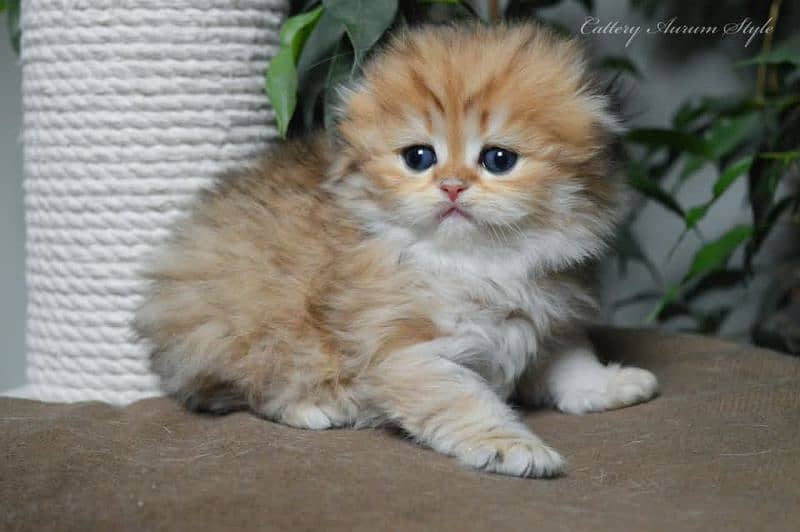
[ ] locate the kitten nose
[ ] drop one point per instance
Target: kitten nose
(453, 189)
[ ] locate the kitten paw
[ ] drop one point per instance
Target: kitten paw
(623, 387)
(515, 456)
(631, 386)
(310, 416)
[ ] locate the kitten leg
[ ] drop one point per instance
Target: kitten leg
(575, 382)
(453, 410)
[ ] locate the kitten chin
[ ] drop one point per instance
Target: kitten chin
(417, 266)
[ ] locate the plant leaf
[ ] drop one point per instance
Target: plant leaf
(731, 174)
(787, 51)
(667, 299)
(652, 190)
(715, 280)
(319, 46)
(670, 138)
(715, 255)
(724, 135)
(728, 132)
(786, 157)
(281, 84)
(723, 183)
(12, 21)
(295, 31)
(365, 21)
(695, 214)
(340, 68)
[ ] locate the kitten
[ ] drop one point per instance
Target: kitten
(419, 266)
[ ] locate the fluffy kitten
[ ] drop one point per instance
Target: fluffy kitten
(418, 266)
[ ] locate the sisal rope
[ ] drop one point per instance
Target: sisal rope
(130, 107)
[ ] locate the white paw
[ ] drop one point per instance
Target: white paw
(614, 388)
(630, 386)
(515, 456)
(306, 416)
(583, 401)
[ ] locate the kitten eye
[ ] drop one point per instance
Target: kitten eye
(498, 160)
(419, 157)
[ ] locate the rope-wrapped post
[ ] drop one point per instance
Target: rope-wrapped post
(130, 107)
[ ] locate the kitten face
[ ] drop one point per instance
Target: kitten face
(478, 134)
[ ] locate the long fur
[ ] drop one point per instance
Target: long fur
(323, 287)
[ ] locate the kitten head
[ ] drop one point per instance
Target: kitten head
(477, 135)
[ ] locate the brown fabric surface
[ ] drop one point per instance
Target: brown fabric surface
(719, 450)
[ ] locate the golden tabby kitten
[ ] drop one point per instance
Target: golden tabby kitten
(419, 266)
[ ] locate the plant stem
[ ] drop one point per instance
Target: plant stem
(761, 76)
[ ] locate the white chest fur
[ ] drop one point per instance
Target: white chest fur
(493, 306)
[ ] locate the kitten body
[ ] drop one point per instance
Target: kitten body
(334, 285)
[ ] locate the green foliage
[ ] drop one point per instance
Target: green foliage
(12, 9)
(281, 77)
(364, 20)
(281, 84)
(785, 52)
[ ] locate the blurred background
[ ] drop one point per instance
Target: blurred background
(711, 242)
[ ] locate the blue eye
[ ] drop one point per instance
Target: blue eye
(498, 160)
(419, 157)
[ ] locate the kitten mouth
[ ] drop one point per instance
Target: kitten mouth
(454, 212)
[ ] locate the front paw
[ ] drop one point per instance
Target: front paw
(615, 387)
(521, 456)
(631, 386)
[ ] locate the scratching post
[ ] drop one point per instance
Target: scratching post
(130, 107)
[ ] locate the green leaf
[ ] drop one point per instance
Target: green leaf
(786, 157)
(787, 51)
(716, 280)
(281, 84)
(728, 132)
(320, 45)
(365, 20)
(620, 63)
(670, 138)
(2, 6)
(667, 299)
(731, 174)
(715, 255)
(339, 71)
(695, 214)
(295, 31)
(723, 136)
(652, 190)
(12, 21)
(588, 5)
(722, 184)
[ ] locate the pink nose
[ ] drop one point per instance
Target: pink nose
(453, 191)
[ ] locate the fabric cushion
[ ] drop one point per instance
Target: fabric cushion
(719, 449)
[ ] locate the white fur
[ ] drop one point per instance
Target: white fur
(575, 382)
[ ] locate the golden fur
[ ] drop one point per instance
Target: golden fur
(323, 287)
